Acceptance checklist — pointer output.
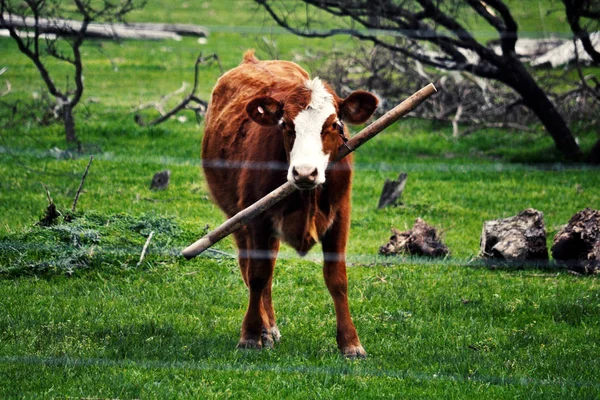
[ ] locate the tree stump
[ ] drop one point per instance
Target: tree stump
(579, 242)
(392, 190)
(522, 237)
(51, 214)
(421, 240)
(160, 181)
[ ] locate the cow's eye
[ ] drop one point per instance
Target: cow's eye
(282, 124)
(335, 125)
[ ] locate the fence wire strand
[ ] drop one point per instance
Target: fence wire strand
(167, 161)
(357, 371)
(352, 259)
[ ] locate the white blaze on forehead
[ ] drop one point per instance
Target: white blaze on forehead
(308, 148)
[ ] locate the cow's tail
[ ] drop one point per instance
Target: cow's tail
(249, 57)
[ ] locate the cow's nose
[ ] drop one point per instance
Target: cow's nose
(305, 175)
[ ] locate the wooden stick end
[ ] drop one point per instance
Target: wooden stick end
(196, 248)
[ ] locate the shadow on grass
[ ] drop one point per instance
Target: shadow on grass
(575, 267)
(162, 341)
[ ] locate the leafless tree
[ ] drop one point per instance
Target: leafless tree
(38, 46)
(577, 11)
(437, 34)
(468, 102)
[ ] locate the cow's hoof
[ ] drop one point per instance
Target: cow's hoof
(267, 339)
(250, 344)
(275, 333)
(353, 352)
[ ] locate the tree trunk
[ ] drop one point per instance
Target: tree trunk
(517, 77)
(594, 156)
(69, 122)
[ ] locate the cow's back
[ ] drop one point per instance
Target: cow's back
(230, 137)
(252, 78)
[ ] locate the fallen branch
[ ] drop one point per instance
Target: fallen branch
(179, 29)
(242, 217)
(185, 103)
(81, 184)
(145, 248)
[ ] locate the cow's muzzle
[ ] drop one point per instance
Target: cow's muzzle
(305, 177)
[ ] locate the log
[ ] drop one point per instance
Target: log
(522, 237)
(179, 29)
(241, 218)
(578, 243)
(67, 27)
(392, 190)
(421, 240)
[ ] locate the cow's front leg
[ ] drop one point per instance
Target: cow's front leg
(334, 272)
(244, 259)
(268, 306)
(257, 326)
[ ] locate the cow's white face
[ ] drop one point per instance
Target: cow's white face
(309, 119)
(308, 161)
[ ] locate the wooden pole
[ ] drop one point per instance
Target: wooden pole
(241, 218)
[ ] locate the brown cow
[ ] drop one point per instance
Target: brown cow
(268, 122)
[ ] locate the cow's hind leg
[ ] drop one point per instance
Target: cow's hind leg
(259, 328)
(334, 272)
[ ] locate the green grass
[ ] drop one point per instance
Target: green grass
(99, 326)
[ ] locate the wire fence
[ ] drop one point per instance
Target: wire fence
(353, 371)
(352, 259)
(315, 256)
(173, 161)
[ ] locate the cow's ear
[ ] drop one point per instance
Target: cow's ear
(265, 110)
(358, 107)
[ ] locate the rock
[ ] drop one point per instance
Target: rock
(160, 181)
(522, 237)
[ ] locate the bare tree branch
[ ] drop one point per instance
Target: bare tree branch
(583, 79)
(434, 33)
(508, 35)
(81, 184)
(187, 100)
(456, 60)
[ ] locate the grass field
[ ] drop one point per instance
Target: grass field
(80, 319)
